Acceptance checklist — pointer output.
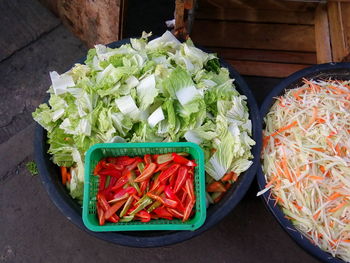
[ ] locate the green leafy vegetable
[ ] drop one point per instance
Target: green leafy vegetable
(32, 168)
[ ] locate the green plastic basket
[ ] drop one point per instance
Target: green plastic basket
(99, 151)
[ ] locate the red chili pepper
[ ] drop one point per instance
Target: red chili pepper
(121, 160)
(175, 213)
(147, 158)
(121, 181)
(181, 178)
(184, 195)
(143, 186)
(144, 216)
(101, 215)
(114, 208)
(182, 160)
(163, 166)
(190, 190)
(113, 200)
(170, 194)
(216, 187)
(112, 166)
(98, 167)
(134, 164)
(188, 210)
(169, 202)
(124, 192)
(165, 201)
(114, 219)
(102, 201)
(110, 172)
(164, 158)
(154, 157)
(174, 172)
(168, 172)
(162, 212)
(112, 182)
(147, 173)
(102, 183)
(172, 180)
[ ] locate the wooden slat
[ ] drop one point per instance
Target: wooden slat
(336, 31)
(259, 4)
(94, 22)
(323, 44)
(257, 15)
(345, 9)
(255, 68)
(265, 55)
(22, 22)
(254, 36)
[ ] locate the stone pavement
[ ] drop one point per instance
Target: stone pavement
(32, 43)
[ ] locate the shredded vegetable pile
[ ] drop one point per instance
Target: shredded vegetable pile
(160, 90)
(306, 161)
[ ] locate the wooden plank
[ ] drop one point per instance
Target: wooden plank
(257, 15)
(266, 69)
(345, 10)
(254, 36)
(259, 4)
(94, 22)
(180, 30)
(336, 31)
(323, 44)
(22, 22)
(265, 55)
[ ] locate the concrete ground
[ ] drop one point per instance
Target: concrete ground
(32, 43)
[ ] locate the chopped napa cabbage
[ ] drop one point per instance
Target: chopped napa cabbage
(160, 90)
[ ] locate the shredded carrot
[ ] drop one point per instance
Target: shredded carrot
(69, 176)
(313, 118)
(316, 216)
(297, 206)
(338, 91)
(338, 206)
(331, 134)
(319, 149)
(282, 129)
(329, 143)
(312, 85)
(314, 177)
(64, 174)
(323, 169)
(272, 181)
(297, 93)
(320, 120)
(278, 200)
(285, 168)
(265, 141)
(333, 196)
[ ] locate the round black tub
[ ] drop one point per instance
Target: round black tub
(324, 71)
(50, 177)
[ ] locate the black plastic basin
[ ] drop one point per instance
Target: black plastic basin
(50, 178)
(324, 71)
